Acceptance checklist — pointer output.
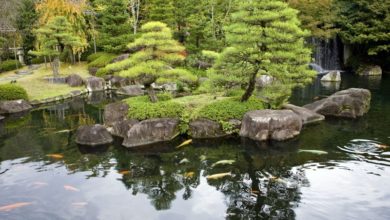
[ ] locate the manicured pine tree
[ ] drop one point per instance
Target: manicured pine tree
(113, 25)
(54, 37)
(264, 38)
(154, 62)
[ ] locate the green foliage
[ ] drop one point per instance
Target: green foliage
(156, 60)
(113, 26)
(226, 109)
(27, 17)
(275, 95)
(100, 60)
(267, 40)
(366, 24)
(9, 65)
(12, 92)
(318, 16)
(141, 108)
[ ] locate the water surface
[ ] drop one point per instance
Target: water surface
(343, 175)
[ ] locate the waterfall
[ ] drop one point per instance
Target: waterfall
(326, 54)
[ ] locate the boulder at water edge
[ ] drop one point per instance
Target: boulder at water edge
(95, 84)
(14, 106)
(350, 103)
(370, 70)
(120, 128)
(205, 128)
(93, 135)
(305, 114)
(133, 90)
(332, 76)
(152, 131)
(279, 125)
(74, 80)
(115, 112)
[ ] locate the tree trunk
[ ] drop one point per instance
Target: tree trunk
(152, 94)
(251, 87)
(56, 67)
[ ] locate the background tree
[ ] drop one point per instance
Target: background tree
(54, 38)
(365, 24)
(113, 25)
(318, 16)
(265, 38)
(154, 62)
(26, 22)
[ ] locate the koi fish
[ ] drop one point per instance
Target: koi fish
(39, 184)
(318, 152)
(124, 172)
(383, 146)
(223, 162)
(185, 160)
(55, 156)
(189, 175)
(202, 158)
(62, 131)
(218, 176)
(11, 207)
(187, 142)
(79, 204)
(71, 188)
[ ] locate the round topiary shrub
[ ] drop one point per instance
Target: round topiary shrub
(9, 65)
(12, 92)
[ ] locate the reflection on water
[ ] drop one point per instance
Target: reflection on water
(42, 168)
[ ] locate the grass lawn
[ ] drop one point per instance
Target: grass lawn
(38, 88)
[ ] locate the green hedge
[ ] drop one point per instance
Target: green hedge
(227, 109)
(100, 60)
(12, 92)
(9, 65)
(141, 108)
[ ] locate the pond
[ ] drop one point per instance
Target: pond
(337, 169)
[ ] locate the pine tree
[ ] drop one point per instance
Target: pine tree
(160, 10)
(25, 22)
(265, 38)
(54, 37)
(155, 61)
(365, 24)
(113, 25)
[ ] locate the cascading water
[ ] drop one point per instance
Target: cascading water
(326, 54)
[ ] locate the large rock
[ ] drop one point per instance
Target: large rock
(205, 128)
(332, 76)
(350, 103)
(133, 90)
(305, 114)
(120, 128)
(115, 112)
(276, 125)
(120, 58)
(74, 80)
(370, 70)
(95, 84)
(118, 81)
(93, 135)
(152, 131)
(15, 106)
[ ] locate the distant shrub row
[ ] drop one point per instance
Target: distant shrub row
(9, 65)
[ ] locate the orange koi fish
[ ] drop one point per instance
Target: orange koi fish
(11, 207)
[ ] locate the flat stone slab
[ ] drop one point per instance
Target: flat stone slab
(15, 106)
(307, 116)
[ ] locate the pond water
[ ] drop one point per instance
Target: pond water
(338, 169)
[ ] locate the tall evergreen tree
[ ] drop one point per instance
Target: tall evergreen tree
(54, 37)
(155, 61)
(26, 20)
(113, 25)
(265, 38)
(366, 24)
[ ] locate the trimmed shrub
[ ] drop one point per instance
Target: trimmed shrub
(38, 60)
(100, 60)
(141, 108)
(12, 92)
(9, 65)
(230, 108)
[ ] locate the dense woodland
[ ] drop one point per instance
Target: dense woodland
(230, 42)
